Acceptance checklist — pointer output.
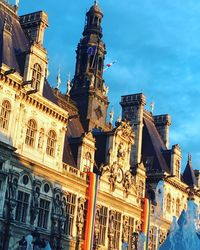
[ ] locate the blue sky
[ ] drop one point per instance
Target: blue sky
(157, 47)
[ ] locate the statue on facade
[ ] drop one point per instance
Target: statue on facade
(64, 207)
(127, 182)
(113, 176)
(80, 217)
(13, 189)
(111, 230)
(57, 205)
(125, 230)
(111, 114)
(34, 210)
(121, 151)
(97, 227)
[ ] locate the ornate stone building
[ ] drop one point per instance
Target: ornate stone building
(50, 140)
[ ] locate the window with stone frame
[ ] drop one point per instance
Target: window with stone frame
(117, 229)
(22, 206)
(5, 114)
(130, 232)
(103, 224)
(36, 76)
(152, 238)
(178, 204)
(70, 211)
(43, 216)
(51, 143)
(31, 133)
(168, 203)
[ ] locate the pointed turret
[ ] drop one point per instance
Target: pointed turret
(188, 175)
(89, 90)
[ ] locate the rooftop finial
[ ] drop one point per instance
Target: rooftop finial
(96, 2)
(189, 158)
(58, 79)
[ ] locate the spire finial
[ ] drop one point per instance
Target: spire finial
(189, 158)
(96, 2)
(68, 85)
(152, 106)
(58, 79)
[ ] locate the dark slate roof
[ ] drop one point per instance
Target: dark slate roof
(68, 156)
(188, 175)
(48, 92)
(153, 146)
(14, 44)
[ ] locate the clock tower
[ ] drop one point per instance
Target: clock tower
(88, 90)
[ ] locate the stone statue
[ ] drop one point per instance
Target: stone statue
(121, 151)
(125, 231)
(111, 231)
(13, 189)
(57, 205)
(111, 116)
(64, 206)
(80, 217)
(68, 86)
(127, 182)
(34, 210)
(113, 176)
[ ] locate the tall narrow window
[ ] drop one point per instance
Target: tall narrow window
(102, 221)
(168, 203)
(114, 228)
(130, 232)
(22, 206)
(43, 215)
(71, 204)
(88, 161)
(31, 133)
(5, 114)
(51, 143)
(36, 76)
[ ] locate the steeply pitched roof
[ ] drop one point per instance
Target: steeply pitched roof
(13, 42)
(153, 146)
(188, 175)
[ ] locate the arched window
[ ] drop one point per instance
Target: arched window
(140, 188)
(36, 76)
(31, 133)
(96, 21)
(168, 203)
(177, 207)
(51, 143)
(5, 115)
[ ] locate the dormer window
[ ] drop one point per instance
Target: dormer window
(36, 76)
(5, 114)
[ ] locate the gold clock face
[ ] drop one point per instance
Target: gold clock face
(120, 175)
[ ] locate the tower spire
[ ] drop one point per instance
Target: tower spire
(88, 89)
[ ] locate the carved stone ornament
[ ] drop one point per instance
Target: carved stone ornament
(127, 182)
(111, 229)
(113, 176)
(80, 216)
(125, 130)
(125, 230)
